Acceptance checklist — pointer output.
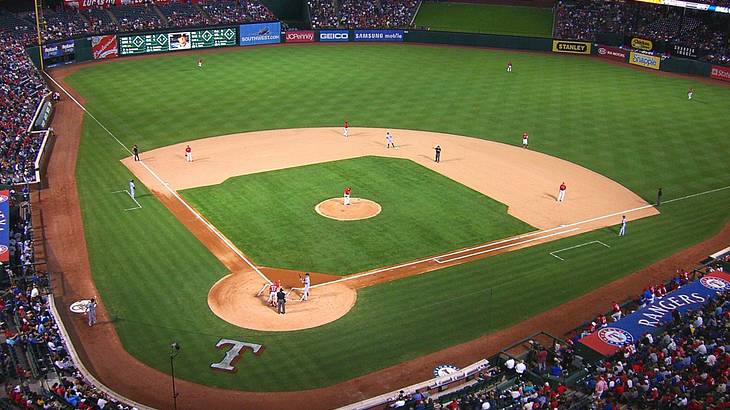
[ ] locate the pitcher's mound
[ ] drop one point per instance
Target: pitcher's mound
(359, 208)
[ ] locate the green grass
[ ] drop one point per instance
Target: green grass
(483, 18)
(633, 126)
(423, 213)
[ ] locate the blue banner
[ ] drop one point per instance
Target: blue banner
(4, 225)
(653, 316)
(58, 49)
(378, 35)
(260, 33)
(334, 35)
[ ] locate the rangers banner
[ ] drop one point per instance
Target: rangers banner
(299, 36)
(720, 73)
(651, 318)
(611, 52)
(4, 225)
(104, 47)
(645, 60)
(572, 47)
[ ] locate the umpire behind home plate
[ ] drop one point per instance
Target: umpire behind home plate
(281, 300)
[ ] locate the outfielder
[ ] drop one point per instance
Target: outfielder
(273, 288)
(561, 192)
(525, 137)
(200, 63)
(346, 196)
(188, 154)
(690, 93)
(306, 281)
(622, 231)
(509, 67)
(389, 140)
(345, 129)
(131, 188)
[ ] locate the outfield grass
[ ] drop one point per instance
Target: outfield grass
(424, 213)
(485, 18)
(633, 126)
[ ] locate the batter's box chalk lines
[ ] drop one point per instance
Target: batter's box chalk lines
(133, 199)
(554, 253)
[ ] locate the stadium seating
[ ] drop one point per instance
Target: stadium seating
(362, 14)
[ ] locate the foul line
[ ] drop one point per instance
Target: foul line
(210, 227)
(133, 199)
(553, 253)
(437, 258)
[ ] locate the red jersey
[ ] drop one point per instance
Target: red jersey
(345, 124)
(562, 187)
(348, 190)
(524, 135)
(509, 64)
(188, 150)
(273, 288)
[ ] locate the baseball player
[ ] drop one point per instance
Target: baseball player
(200, 63)
(273, 288)
(525, 139)
(91, 312)
(135, 152)
(131, 188)
(188, 154)
(509, 66)
(345, 128)
(561, 192)
(437, 151)
(307, 282)
(389, 140)
(690, 93)
(281, 301)
(622, 231)
(346, 196)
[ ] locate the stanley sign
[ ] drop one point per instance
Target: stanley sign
(573, 47)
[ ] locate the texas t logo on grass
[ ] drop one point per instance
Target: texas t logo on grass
(228, 364)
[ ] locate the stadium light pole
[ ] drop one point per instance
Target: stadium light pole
(38, 34)
(174, 350)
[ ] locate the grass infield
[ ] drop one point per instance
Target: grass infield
(424, 213)
(484, 18)
(631, 125)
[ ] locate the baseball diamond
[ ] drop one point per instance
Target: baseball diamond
(334, 204)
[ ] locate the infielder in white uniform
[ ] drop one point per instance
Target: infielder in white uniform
(622, 231)
(561, 192)
(389, 140)
(188, 154)
(131, 188)
(306, 281)
(346, 196)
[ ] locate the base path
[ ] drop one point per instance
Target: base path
(526, 181)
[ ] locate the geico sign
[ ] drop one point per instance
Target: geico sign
(334, 36)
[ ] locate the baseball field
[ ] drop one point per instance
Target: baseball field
(632, 130)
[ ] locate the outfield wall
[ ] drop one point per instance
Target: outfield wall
(643, 53)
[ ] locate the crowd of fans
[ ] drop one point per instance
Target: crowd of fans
(21, 90)
(362, 14)
(68, 23)
(686, 366)
(585, 19)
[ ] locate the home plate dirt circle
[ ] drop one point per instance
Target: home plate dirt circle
(358, 209)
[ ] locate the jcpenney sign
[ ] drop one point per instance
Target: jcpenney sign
(299, 36)
(611, 52)
(334, 35)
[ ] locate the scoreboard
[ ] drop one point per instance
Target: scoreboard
(178, 40)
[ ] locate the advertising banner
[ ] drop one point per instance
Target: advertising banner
(645, 60)
(260, 33)
(611, 52)
(685, 51)
(572, 47)
(642, 44)
(179, 40)
(334, 35)
(103, 47)
(720, 73)
(299, 36)
(652, 317)
(58, 49)
(4, 225)
(379, 35)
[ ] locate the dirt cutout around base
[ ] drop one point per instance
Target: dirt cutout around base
(358, 209)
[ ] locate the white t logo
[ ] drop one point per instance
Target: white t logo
(232, 355)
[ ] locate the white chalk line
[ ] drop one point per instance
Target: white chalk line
(210, 227)
(133, 199)
(434, 258)
(553, 253)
